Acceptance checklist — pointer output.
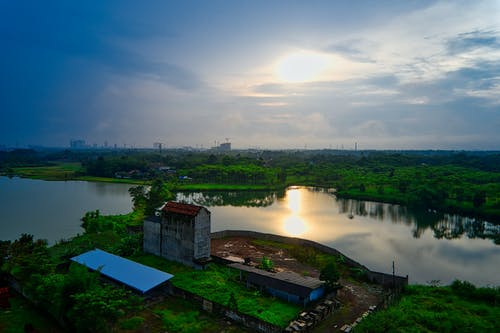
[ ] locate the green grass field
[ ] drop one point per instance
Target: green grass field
(68, 171)
(64, 171)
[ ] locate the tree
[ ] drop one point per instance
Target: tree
(156, 196)
(138, 194)
(95, 308)
(330, 275)
(479, 199)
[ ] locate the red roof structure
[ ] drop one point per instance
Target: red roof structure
(181, 208)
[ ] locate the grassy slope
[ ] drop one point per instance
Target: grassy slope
(434, 309)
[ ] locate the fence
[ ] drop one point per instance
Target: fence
(216, 308)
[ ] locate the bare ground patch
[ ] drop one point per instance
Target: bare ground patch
(356, 297)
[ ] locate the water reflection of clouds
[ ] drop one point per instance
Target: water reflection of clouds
(457, 253)
(379, 234)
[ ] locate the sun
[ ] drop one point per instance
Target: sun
(302, 66)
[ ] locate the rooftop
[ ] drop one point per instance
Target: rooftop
(181, 208)
(138, 276)
(285, 276)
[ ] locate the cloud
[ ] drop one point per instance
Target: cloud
(273, 104)
(354, 49)
(473, 40)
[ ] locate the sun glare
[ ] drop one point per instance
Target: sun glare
(294, 226)
(302, 66)
(293, 200)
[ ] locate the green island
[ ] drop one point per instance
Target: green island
(68, 294)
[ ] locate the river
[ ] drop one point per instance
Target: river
(427, 246)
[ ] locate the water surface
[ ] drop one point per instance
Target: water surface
(423, 244)
(52, 209)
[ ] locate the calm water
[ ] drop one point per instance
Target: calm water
(425, 245)
(52, 210)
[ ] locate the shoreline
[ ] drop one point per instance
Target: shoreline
(451, 210)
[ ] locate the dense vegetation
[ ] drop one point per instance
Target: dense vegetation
(70, 294)
(460, 307)
(465, 182)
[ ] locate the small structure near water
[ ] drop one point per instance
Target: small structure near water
(181, 232)
(134, 275)
(286, 285)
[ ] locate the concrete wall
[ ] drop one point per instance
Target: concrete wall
(178, 238)
(152, 237)
(202, 234)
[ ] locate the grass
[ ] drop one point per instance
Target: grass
(64, 250)
(184, 322)
(21, 313)
(68, 171)
(216, 283)
(174, 315)
(435, 309)
(63, 171)
(113, 180)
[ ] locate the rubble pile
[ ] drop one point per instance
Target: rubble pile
(309, 319)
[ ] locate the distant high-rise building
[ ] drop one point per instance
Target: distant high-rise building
(77, 144)
(225, 146)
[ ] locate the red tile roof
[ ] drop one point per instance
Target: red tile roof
(181, 208)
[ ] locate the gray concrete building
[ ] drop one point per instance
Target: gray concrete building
(181, 233)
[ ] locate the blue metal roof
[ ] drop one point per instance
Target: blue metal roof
(131, 273)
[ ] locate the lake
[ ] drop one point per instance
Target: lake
(52, 209)
(425, 245)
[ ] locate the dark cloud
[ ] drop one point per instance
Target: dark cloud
(472, 40)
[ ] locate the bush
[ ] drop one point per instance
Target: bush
(132, 323)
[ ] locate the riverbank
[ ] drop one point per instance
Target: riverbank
(448, 207)
(366, 191)
(74, 171)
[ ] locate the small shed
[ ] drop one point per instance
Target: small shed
(130, 273)
(286, 285)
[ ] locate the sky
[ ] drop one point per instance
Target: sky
(267, 74)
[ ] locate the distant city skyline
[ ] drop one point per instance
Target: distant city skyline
(269, 74)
